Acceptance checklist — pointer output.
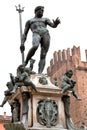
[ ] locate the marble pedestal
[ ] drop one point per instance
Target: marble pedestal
(48, 93)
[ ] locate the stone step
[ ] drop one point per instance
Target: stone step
(37, 126)
(47, 129)
(44, 128)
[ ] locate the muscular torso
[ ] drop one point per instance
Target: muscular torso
(38, 25)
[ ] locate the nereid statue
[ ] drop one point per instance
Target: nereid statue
(38, 26)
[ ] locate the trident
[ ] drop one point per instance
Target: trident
(20, 10)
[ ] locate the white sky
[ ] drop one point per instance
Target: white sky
(72, 31)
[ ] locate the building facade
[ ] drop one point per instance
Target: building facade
(71, 59)
(4, 119)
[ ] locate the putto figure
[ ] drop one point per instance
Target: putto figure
(38, 26)
(68, 84)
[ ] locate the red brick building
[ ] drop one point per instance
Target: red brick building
(71, 59)
(3, 120)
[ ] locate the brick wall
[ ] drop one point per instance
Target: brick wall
(71, 59)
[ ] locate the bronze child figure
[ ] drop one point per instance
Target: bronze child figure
(68, 84)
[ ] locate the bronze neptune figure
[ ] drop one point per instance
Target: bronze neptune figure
(38, 26)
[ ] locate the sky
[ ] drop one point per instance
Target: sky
(71, 32)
